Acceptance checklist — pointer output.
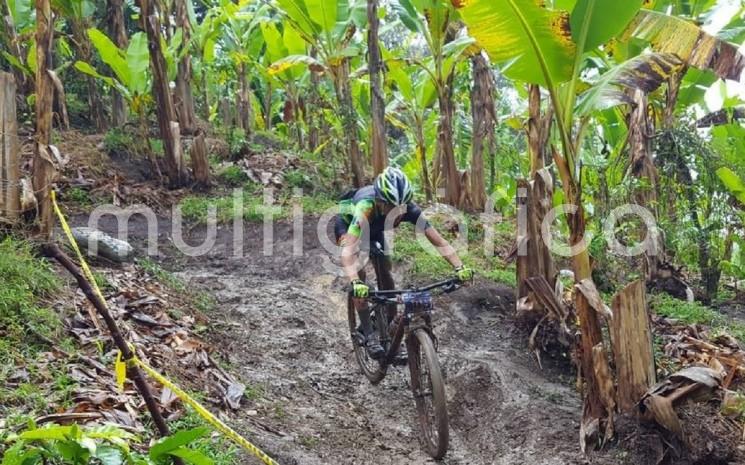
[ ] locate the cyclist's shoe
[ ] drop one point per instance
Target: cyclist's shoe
(402, 357)
(373, 347)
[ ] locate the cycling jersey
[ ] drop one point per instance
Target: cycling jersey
(359, 209)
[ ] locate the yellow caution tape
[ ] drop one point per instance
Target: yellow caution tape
(218, 424)
(121, 365)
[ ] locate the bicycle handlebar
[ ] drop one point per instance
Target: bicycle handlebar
(388, 296)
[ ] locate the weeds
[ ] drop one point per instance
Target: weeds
(78, 195)
(118, 140)
(222, 451)
(165, 277)
(233, 176)
(26, 280)
(696, 313)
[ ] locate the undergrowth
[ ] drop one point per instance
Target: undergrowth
(30, 382)
(25, 281)
(426, 262)
(253, 208)
(696, 313)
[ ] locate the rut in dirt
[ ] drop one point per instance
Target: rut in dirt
(280, 323)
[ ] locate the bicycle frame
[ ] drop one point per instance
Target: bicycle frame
(417, 313)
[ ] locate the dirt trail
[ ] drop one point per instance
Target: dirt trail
(280, 323)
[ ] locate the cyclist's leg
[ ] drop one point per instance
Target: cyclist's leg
(361, 305)
(383, 272)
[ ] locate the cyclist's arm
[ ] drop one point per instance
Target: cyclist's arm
(350, 241)
(443, 247)
(349, 251)
(413, 215)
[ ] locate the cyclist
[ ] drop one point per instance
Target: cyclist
(367, 213)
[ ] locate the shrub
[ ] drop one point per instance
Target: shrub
(119, 141)
(233, 176)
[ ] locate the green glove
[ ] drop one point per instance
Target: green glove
(464, 273)
(359, 289)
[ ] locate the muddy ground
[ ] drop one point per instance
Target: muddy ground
(280, 324)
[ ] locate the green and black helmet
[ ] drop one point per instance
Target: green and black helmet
(393, 187)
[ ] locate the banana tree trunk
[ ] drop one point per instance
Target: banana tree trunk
(639, 141)
(268, 107)
(313, 110)
(446, 152)
(245, 110)
(84, 52)
(167, 121)
(205, 95)
(10, 159)
(118, 33)
(421, 151)
(44, 170)
(484, 123)
(377, 99)
(598, 403)
(539, 125)
(349, 117)
(186, 113)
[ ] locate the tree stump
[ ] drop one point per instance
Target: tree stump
(632, 346)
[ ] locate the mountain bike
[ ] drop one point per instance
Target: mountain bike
(414, 326)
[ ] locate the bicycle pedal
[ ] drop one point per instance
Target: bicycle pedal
(401, 360)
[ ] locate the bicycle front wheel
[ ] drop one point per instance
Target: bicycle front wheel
(428, 388)
(373, 370)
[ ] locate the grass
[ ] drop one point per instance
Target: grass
(79, 196)
(197, 208)
(201, 300)
(118, 140)
(696, 313)
(30, 384)
(233, 176)
(428, 264)
(165, 277)
(25, 281)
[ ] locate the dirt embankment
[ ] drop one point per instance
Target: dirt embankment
(280, 325)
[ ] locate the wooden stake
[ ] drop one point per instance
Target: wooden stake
(9, 162)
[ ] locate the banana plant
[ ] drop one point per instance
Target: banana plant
(131, 79)
(281, 44)
(242, 41)
(414, 97)
(78, 13)
(435, 21)
(546, 46)
(329, 27)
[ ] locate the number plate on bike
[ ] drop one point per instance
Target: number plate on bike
(415, 302)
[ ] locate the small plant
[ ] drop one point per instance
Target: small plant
(78, 195)
(233, 176)
(166, 277)
(236, 142)
(298, 179)
(119, 141)
(75, 445)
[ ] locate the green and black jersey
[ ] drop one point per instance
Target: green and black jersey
(360, 209)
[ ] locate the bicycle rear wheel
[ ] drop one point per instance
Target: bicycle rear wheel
(372, 369)
(429, 394)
